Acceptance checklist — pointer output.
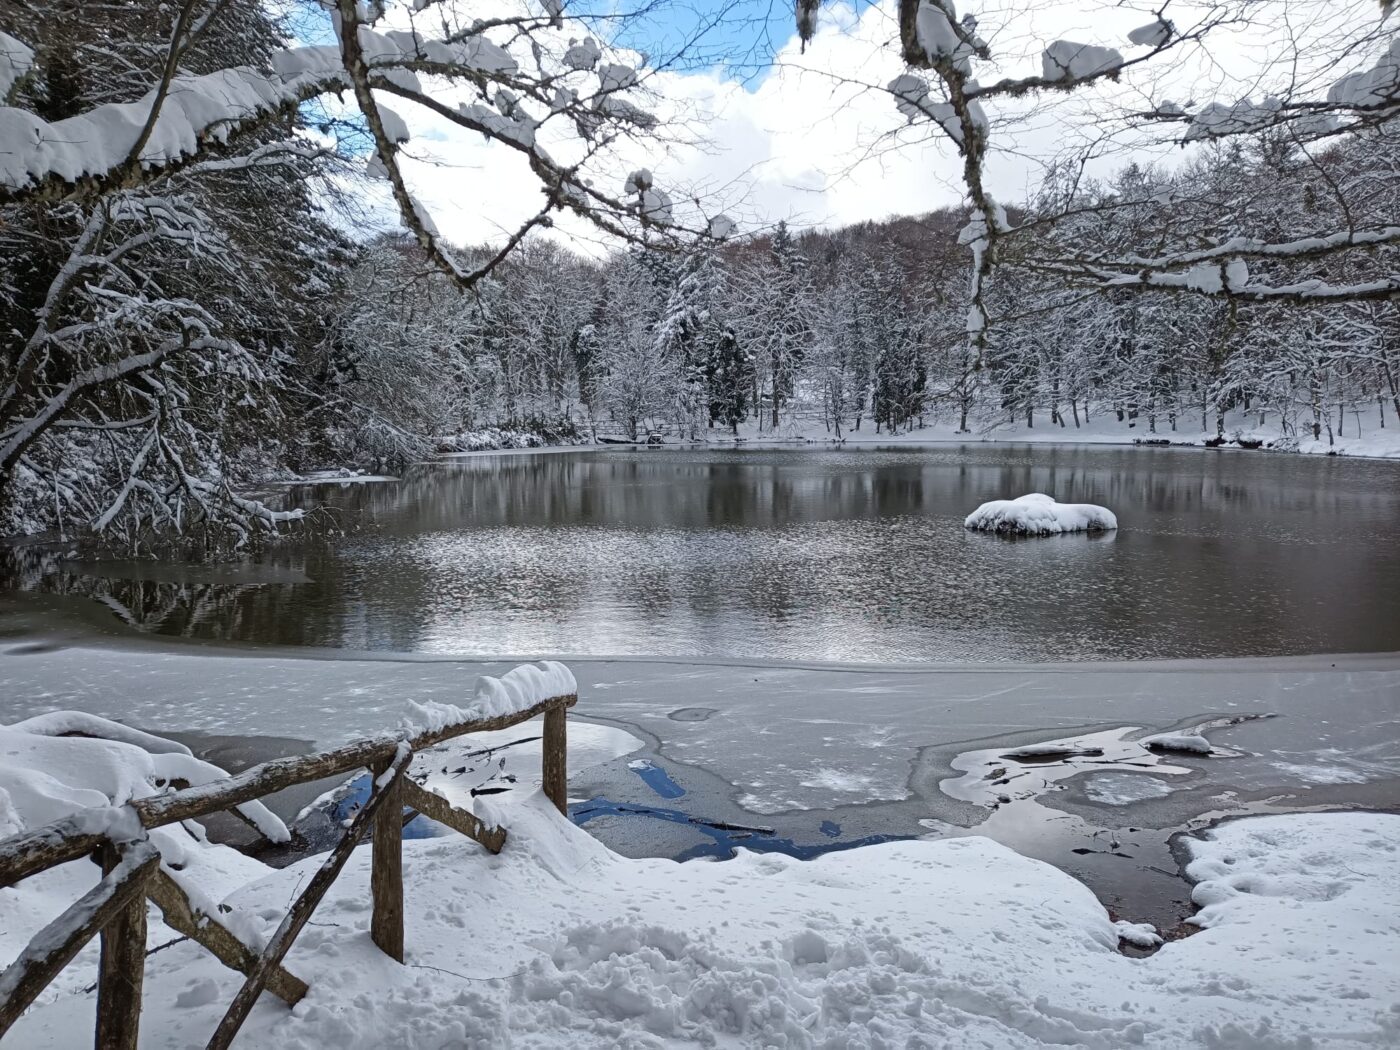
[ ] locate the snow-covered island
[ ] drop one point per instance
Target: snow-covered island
(1037, 514)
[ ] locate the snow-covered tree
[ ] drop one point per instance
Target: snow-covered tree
(161, 251)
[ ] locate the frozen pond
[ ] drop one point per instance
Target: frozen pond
(840, 554)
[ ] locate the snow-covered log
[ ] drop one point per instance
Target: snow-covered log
(1037, 514)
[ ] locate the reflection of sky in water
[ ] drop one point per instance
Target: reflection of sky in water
(837, 555)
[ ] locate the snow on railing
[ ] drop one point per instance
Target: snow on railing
(116, 908)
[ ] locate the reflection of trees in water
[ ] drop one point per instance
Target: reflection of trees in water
(754, 551)
(762, 489)
(181, 599)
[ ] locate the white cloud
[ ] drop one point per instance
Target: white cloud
(810, 142)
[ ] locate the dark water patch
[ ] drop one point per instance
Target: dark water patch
(355, 794)
(723, 837)
(692, 714)
(656, 778)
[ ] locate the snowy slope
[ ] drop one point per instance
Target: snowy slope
(958, 943)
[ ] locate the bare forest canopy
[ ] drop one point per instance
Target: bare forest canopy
(184, 313)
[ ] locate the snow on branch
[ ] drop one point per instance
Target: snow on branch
(1227, 279)
(16, 60)
(192, 117)
(1363, 99)
(935, 38)
(1068, 62)
(86, 155)
(1254, 247)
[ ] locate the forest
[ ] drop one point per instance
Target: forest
(203, 311)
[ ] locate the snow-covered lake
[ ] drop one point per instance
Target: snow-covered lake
(817, 554)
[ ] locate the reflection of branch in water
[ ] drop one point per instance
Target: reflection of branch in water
(208, 604)
(119, 610)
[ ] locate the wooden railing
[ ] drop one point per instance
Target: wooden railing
(115, 909)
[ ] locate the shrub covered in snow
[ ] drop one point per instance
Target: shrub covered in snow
(1039, 515)
(529, 433)
(486, 440)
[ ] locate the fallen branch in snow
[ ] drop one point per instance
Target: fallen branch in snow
(198, 925)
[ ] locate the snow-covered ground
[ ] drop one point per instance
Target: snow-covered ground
(953, 941)
(960, 943)
(1362, 434)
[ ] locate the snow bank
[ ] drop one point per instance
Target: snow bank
(45, 777)
(88, 779)
(558, 942)
(16, 60)
(487, 440)
(80, 723)
(1039, 515)
(959, 942)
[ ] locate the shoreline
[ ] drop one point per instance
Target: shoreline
(911, 439)
(84, 623)
(826, 756)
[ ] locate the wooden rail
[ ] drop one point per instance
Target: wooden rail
(115, 908)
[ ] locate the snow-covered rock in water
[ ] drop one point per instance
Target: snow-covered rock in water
(1138, 934)
(1037, 514)
(1192, 743)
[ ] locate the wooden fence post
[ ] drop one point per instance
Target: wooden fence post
(61, 940)
(386, 866)
(300, 912)
(121, 969)
(556, 757)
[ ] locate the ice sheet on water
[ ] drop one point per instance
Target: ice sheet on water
(1123, 789)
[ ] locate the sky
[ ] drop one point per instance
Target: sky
(768, 132)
